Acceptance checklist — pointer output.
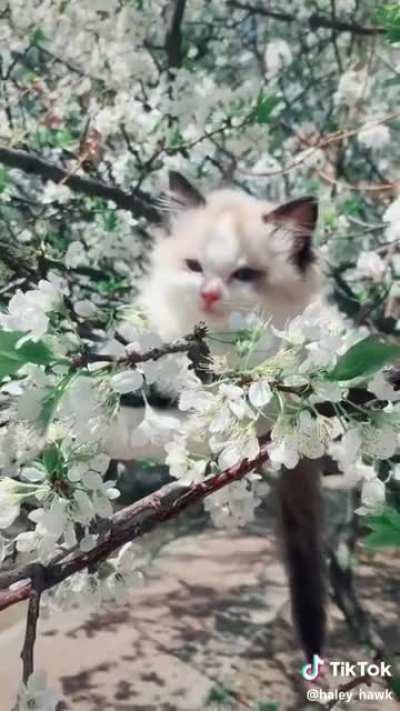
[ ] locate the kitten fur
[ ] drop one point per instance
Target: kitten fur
(224, 231)
(228, 230)
(207, 239)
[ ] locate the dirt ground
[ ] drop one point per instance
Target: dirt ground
(213, 612)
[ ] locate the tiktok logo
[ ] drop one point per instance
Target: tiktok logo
(311, 672)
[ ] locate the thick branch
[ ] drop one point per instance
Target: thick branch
(138, 203)
(315, 20)
(131, 523)
(173, 42)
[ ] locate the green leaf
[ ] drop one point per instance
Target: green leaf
(52, 459)
(52, 398)
(13, 358)
(218, 695)
(352, 206)
(63, 139)
(365, 358)
(110, 220)
(264, 108)
(389, 17)
(175, 139)
(37, 36)
(385, 530)
(384, 538)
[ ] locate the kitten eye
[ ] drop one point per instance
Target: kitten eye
(247, 274)
(194, 265)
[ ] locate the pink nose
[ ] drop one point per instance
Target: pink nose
(210, 297)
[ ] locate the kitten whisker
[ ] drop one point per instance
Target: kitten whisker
(169, 202)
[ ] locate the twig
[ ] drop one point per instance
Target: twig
(32, 617)
(30, 635)
(314, 22)
(370, 188)
(353, 684)
(133, 357)
(323, 142)
(138, 203)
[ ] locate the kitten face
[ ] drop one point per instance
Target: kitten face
(230, 252)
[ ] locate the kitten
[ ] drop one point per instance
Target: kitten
(220, 254)
(229, 252)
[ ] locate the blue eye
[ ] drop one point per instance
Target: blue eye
(194, 265)
(247, 274)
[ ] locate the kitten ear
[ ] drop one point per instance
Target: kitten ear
(183, 194)
(300, 218)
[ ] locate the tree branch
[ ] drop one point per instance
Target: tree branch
(315, 21)
(173, 42)
(138, 203)
(32, 617)
(182, 345)
(127, 525)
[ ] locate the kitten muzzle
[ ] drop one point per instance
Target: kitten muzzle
(209, 298)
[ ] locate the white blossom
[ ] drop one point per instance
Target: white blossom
(234, 505)
(235, 451)
(392, 213)
(310, 436)
(35, 695)
(54, 192)
(327, 391)
(291, 440)
(34, 473)
(353, 86)
(12, 494)
(181, 464)
(374, 137)
(75, 255)
(27, 311)
(345, 5)
(381, 387)
(284, 450)
(373, 496)
(127, 381)
(102, 493)
(84, 409)
(155, 428)
(85, 308)
(260, 393)
(10, 501)
(392, 217)
(277, 57)
(371, 266)
(380, 442)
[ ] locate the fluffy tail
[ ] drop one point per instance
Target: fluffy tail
(301, 518)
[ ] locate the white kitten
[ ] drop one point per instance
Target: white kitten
(230, 252)
(224, 253)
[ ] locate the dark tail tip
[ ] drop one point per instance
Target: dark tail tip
(301, 513)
